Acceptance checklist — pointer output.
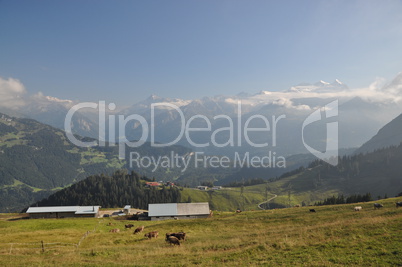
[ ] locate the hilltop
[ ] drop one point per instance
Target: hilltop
(111, 191)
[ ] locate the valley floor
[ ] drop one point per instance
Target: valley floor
(333, 235)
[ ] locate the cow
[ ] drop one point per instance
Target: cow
(114, 230)
(139, 230)
(238, 211)
(129, 226)
(312, 210)
(179, 235)
(358, 208)
(110, 224)
(398, 204)
(210, 214)
(378, 205)
(173, 240)
(152, 234)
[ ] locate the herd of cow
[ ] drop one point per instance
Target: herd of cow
(171, 238)
(376, 206)
(174, 238)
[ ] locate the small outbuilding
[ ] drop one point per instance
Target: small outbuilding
(127, 209)
(178, 211)
(202, 187)
(63, 212)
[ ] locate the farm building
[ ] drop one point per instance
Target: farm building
(202, 187)
(127, 209)
(178, 211)
(63, 211)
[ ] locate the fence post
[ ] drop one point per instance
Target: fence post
(43, 247)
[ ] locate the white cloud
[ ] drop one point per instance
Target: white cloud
(287, 103)
(43, 99)
(12, 93)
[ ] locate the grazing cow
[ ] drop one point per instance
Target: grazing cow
(312, 210)
(152, 234)
(179, 235)
(210, 214)
(139, 230)
(173, 240)
(114, 230)
(358, 208)
(398, 204)
(128, 226)
(378, 205)
(238, 211)
(110, 224)
(297, 206)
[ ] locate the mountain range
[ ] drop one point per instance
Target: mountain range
(37, 159)
(361, 113)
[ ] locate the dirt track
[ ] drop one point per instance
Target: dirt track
(259, 205)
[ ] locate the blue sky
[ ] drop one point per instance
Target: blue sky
(122, 51)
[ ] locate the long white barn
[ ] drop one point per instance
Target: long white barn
(178, 211)
(63, 211)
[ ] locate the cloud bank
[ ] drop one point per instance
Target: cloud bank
(12, 93)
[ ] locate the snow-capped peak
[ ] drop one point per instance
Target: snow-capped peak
(318, 87)
(322, 83)
(338, 82)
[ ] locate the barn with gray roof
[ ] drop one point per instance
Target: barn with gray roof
(178, 211)
(63, 212)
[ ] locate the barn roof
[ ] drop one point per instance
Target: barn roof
(75, 209)
(178, 209)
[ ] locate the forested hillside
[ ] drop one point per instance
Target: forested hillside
(116, 190)
(378, 173)
(36, 160)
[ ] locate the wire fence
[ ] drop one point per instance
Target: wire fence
(42, 246)
(39, 246)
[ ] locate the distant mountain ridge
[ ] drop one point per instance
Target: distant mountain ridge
(389, 135)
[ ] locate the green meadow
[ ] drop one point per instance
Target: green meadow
(332, 236)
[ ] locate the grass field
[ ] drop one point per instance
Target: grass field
(228, 199)
(332, 236)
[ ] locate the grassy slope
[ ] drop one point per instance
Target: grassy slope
(301, 189)
(228, 199)
(334, 235)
